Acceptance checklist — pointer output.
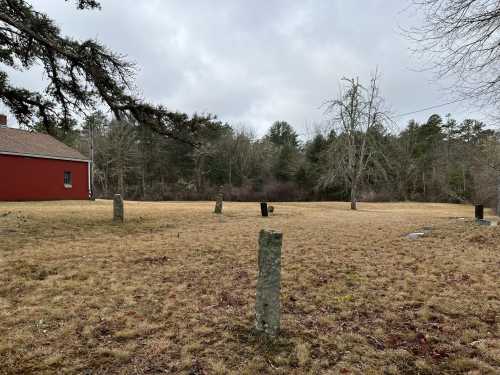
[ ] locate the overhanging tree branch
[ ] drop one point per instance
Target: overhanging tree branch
(461, 40)
(81, 76)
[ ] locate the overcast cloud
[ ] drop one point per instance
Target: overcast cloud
(254, 62)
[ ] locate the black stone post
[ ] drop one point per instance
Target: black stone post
(479, 212)
(263, 209)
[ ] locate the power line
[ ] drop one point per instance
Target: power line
(305, 134)
(429, 108)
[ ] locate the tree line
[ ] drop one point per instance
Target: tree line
(439, 160)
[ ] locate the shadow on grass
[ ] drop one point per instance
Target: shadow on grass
(246, 336)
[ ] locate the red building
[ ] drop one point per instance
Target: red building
(36, 166)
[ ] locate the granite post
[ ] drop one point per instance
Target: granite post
(218, 202)
(267, 305)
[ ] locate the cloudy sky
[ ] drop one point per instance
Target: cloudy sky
(254, 62)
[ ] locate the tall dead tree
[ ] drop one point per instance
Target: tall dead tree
(356, 115)
(122, 150)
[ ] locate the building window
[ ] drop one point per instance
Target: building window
(68, 181)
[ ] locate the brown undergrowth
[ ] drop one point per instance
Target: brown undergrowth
(172, 290)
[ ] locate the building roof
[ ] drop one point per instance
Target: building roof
(21, 142)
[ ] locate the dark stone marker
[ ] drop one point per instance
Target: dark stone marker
(267, 304)
(118, 208)
(479, 211)
(263, 209)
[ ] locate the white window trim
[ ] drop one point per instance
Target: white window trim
(70, 174)
(43, 156)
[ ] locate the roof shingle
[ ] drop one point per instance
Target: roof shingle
(23, 142)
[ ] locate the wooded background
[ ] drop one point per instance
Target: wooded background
(439, 160)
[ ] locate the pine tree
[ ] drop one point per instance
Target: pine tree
(81, 75)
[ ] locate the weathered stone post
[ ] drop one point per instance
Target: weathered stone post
(267, 305)
(479, 211)
(263, 209)
(498, 196)
(118, 208)
(219, 200)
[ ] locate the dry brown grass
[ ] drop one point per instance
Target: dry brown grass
(172, 290)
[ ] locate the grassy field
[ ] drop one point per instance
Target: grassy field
(172, 290)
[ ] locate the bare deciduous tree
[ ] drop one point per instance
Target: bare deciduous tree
(356, 114)
(120, 152)
(462, 40)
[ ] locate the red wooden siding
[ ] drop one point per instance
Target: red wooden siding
(27, 178)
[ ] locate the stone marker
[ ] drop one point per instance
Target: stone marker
(267, 304)
(483, 222)
(263, 209)
(218, 202)
(424, 232)
(487, 223)
(415, 235)
(118, 208)
(479, 211)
